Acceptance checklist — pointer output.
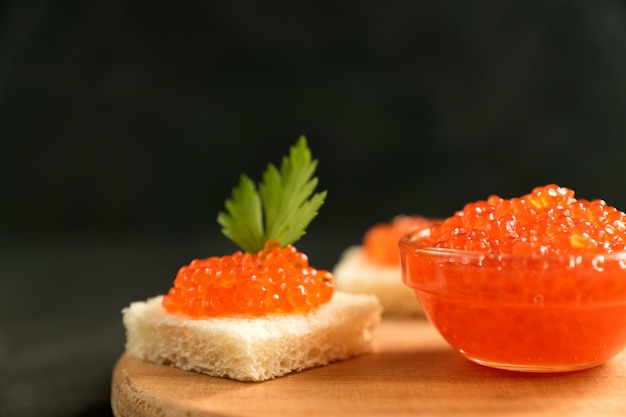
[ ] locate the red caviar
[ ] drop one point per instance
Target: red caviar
(380, 242)
(547, 221)
(274, 280)
(536, 283)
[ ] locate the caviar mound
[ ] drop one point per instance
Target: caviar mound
(380, 242)
(535, 283)
(549, 220)
(274, 280)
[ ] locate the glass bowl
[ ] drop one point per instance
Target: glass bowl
(521, 312)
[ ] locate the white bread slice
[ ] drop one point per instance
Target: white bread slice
(354, 273)
(253, 349)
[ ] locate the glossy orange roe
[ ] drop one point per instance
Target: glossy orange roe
(275, 280)
(380, 242)
(536, 283)
(550, 220)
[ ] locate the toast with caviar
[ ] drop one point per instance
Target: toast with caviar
(263, 311)
(373, 267)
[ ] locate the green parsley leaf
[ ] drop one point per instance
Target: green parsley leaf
(282, 208)
(243, 221)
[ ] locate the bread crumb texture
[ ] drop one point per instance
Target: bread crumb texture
(253, 349)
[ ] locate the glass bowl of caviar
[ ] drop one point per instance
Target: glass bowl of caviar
(535, 283)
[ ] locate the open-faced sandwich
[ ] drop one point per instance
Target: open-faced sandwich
(263, 311)
(373, 267)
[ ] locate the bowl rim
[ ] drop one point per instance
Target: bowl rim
(407, 240)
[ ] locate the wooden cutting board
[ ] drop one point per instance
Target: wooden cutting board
(414, 373)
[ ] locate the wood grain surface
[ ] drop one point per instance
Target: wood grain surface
(414, 373)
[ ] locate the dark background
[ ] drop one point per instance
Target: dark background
(125, 124)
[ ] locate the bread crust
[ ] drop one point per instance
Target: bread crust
(253, 349)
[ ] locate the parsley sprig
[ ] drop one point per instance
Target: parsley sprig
(281, 209)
